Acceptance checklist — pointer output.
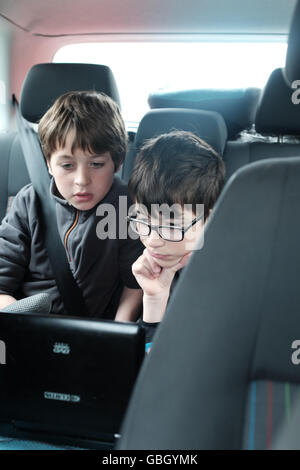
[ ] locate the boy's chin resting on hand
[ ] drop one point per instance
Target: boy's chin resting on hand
(155, 281)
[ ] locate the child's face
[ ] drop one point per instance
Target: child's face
(168, 253)
(83, 179)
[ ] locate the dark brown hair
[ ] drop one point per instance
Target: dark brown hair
(96, 120)
(177, 167)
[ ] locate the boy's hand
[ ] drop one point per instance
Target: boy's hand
(153, 279)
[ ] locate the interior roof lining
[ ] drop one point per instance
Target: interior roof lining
(93, 17)
(280, 36)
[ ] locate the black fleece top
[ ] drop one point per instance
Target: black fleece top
(101, 267)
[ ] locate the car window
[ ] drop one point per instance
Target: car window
(141, 68)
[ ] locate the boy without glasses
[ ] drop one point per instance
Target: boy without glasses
(180, 171)
(84, 142)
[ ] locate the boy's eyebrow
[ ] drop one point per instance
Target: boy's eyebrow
(65, 156)
(69, 157)
(138, 212)
(174, 219)
(100, 155)
(172, 216)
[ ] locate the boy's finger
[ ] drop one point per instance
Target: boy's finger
(142, 271)
(154, 266)
(141, 267)
(147, 262)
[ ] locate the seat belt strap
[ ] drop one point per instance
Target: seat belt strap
(69, 290)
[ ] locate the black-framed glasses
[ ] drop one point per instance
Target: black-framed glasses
(166, 232)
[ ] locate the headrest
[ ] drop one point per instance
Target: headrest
(236, 106)
(292, 62)
(276, 113)
(207, 125)
(46, 82)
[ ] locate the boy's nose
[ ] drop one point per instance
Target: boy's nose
(154, 240)
(82, 177)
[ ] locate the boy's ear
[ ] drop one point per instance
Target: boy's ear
(117, 169)
(49, 167)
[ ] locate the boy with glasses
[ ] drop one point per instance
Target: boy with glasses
(175, 183)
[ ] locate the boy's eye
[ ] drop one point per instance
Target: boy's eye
(171, 224)
(97, 164)
(66, 166)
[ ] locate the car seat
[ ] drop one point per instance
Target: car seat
(208, 125)
(220, 373)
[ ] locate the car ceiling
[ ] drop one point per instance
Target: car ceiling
(35, 29)
(80, 17)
